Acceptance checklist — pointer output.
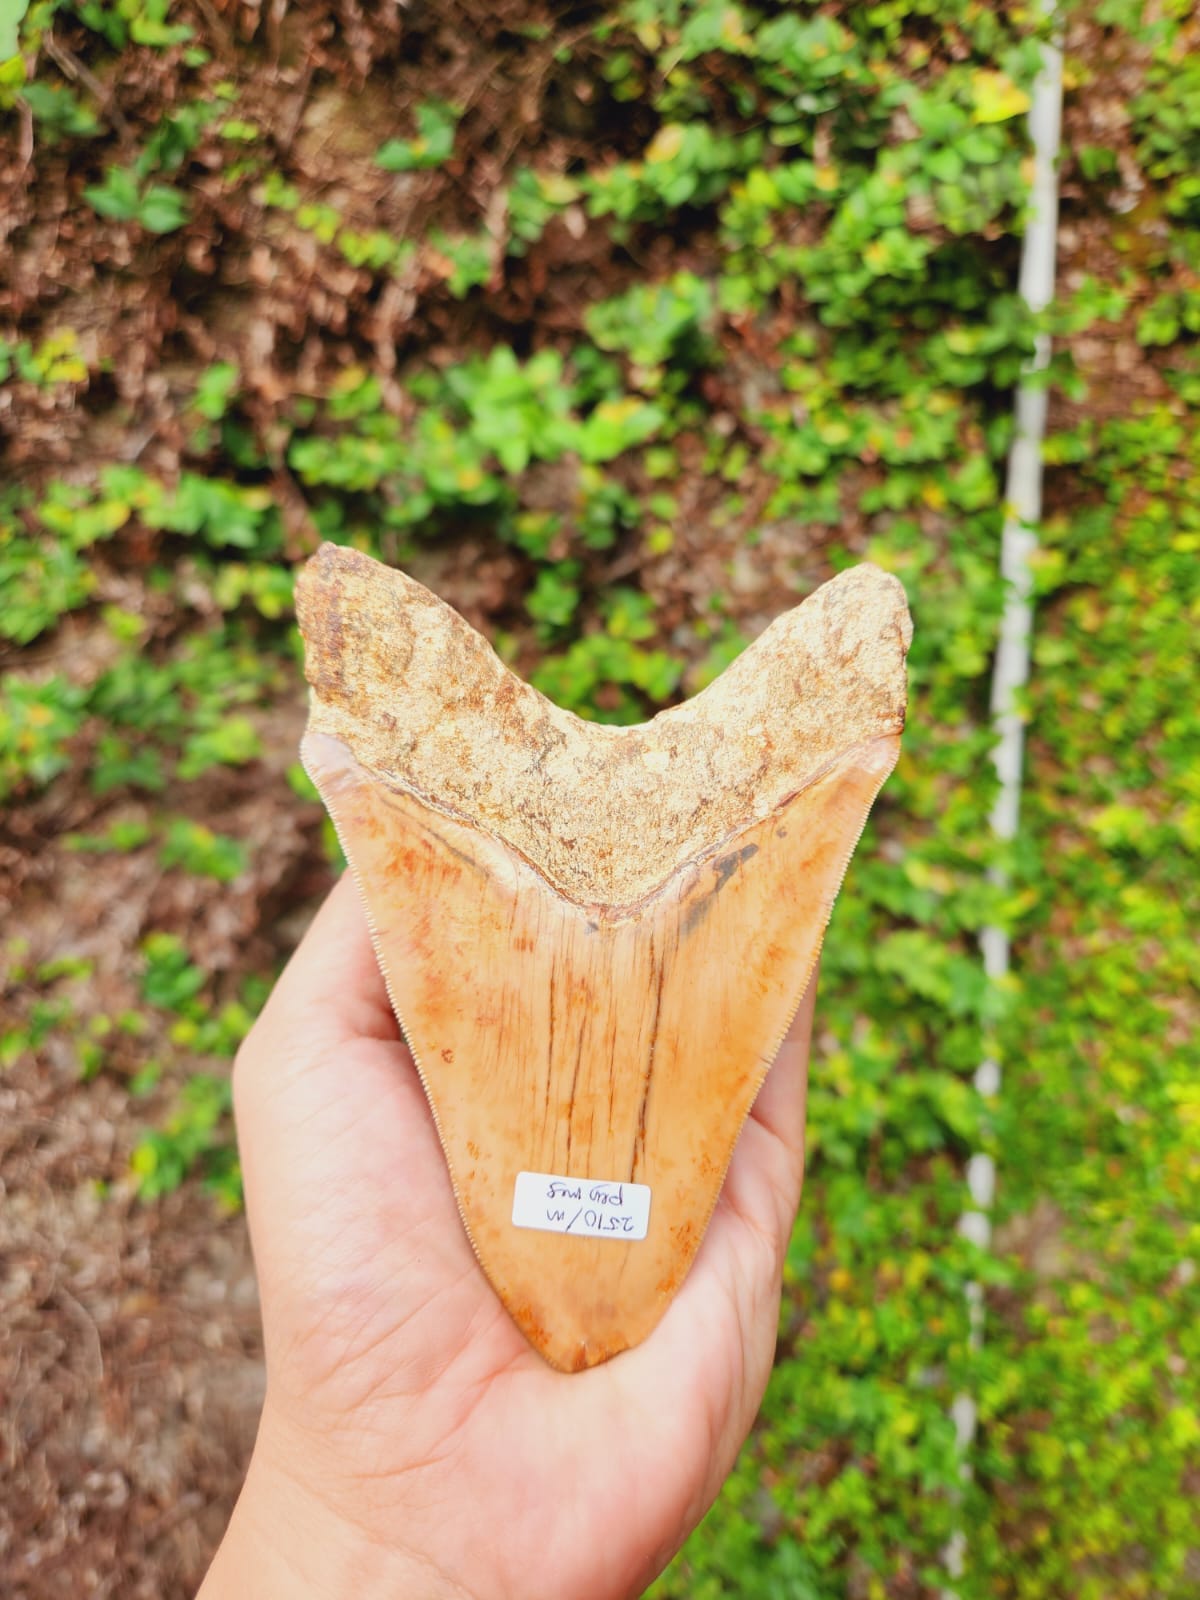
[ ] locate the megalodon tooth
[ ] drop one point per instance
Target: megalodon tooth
(594, 938)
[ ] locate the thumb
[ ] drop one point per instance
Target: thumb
(325, 1048)
(330, 1111)
(331, 989)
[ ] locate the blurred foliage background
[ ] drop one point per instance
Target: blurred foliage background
(621, 325)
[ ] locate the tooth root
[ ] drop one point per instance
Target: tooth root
(595, 1036)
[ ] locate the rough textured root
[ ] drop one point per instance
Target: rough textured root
(421, 699)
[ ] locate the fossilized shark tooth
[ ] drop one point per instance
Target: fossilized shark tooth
(595, 938)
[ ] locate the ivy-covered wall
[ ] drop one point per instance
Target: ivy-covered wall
(622, 328)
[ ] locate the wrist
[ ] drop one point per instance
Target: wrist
(284, 1542)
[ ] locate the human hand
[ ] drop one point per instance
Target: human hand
(412, 1443)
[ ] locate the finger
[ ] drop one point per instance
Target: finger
(733, 1289)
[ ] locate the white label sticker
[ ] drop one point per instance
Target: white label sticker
(581, 1205)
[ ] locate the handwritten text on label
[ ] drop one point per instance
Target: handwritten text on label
(581, 1206)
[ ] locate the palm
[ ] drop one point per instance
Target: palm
(385, 1338)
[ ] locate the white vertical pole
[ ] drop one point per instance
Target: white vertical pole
(1023, 510)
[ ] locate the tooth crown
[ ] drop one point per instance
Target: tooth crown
(594, 938)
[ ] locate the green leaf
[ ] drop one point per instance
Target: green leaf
(11, 14)
(198, 849)
(116, 197)
(162, 210)
(996, 97)
(437, 122)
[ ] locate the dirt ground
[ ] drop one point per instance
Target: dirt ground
(130, 1359)
(131, 1370)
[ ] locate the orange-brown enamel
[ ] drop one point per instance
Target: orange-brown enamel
(590, 1041)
